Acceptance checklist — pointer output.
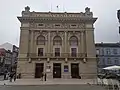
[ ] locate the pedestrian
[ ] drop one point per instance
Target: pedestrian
(14, 77)
(11, 76)
(42, 76)
(4, 76)
(45, 77)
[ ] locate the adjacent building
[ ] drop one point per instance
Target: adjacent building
(8, 57)
(60, 44)
(5, 60)
(108, 54)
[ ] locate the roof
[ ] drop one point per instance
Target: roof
(7, 46)
(107, 44)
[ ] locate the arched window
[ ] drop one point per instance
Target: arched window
(57, 40)
(40, 40)
(73, 41)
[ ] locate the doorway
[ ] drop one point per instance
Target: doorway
(39, 69)
(56, 70)
(75, 70)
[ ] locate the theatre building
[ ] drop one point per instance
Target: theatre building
(60, 44)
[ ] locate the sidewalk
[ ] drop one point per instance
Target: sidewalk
(48, 82)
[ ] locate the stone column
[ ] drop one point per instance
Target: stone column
(49, 44)
(82, 42)
(65, 40)
(31, 43)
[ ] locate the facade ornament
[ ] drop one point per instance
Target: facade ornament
(66, 60)
(74, 59)
(40, 32)
(87, 12)
(27, 9)
(29, 60)
(26, 13)
(48, 60)
(84, 60)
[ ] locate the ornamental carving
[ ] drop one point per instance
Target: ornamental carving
(57, 26)
(44, 33)
(32, 25)
(55, 33)
(81, 25)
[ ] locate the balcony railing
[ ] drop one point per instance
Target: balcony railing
(62, 55)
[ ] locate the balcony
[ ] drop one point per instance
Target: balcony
(62, 55)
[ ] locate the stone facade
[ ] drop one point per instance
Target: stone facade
(108, 54)
(50, 30)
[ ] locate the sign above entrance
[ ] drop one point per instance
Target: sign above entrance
(66, 68)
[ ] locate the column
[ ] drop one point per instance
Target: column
(31, 43)
(65, 45)
(49, 44)
(82, 42)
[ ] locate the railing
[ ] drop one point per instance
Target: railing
(62, 55)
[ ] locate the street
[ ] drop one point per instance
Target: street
(53, 87)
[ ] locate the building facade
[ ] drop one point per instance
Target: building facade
(8, 57)
(5, 60)
(58, 44)
(108, 55)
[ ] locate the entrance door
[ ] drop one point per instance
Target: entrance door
(56, 70)
(38, 70)
(75, 70)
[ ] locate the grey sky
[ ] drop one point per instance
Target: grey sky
(106, 27)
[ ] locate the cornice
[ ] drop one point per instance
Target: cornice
(57, 19)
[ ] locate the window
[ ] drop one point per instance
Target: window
(40, 40)
(102, 51)
(40, 51)
(73, 41)
(57, 40)
(73, 25)
(57, 52)
(116, 61)
(73, 52)
(108, 51)
(57, 25)
(40, 24)
(114, 51)
(108, 61)
(97, 51)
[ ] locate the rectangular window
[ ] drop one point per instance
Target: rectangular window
(73, 25)
(108, 51)
(40, 24)
(57, 24)
(97, 51)
(40, 51)
(116, 61)
(57, 52)
(102, 51)
(114, 51)
(73, 52)
(109, 61)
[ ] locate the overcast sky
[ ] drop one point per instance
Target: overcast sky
(106, 27)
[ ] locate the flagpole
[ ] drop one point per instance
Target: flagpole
(51, 7)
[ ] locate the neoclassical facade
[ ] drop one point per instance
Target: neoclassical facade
(58, 44)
